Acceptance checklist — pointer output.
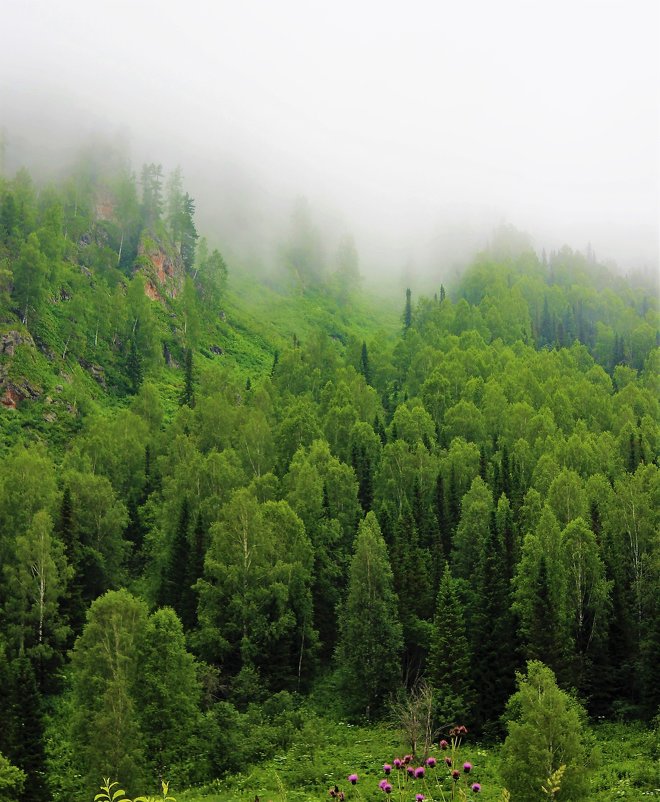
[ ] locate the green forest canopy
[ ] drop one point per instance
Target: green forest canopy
(199, 508)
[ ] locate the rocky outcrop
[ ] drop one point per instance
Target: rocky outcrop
(96, 371)
(104, 205)
(10, 340)
(162, 268)
(12, 390)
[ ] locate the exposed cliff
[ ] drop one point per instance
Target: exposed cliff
(161, 266)
(14, 386)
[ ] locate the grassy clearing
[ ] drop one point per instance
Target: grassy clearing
(626, 767)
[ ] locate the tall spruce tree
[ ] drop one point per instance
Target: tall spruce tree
(407, 312)
(492, 634)
(24, 726)
(188, 394)
(371, 641)
(450, 657)
(175, 576)
(411, 568)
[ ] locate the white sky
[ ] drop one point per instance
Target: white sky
(403, 116)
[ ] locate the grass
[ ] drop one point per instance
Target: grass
(324, 754)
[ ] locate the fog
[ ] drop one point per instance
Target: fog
(416, 126)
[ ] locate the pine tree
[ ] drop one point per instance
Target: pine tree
(24, 721)
(407, 314)
(188, 395)
(545, 733)
(411, 568)
(72, 603)
(363, 470)
(365, 370)
(194, 572)
(134, 367)
(442, 515)
(492, 633)
(174, 577)
(371, 641)
(189, 235)
(448, 664)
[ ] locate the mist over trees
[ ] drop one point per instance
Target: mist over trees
(218, 505)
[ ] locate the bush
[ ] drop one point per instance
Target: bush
(546, 733)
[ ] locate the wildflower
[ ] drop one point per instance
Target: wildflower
(420, 797)
(476, 788)
(467, 767)
(410, 770)
(334, 792)
(397, 763)
(431, 762)
(407, 759)
(444, 744)
(419, 772)
(382, 784)
(448, 761)
(456, 774)
(387, 788)
(341, 797)
(352, 778)
(387, 768)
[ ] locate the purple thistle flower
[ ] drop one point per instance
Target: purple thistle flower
(420, 797)
(419, 772)
(397, 763)
(467, 767)
(410, 770)
(456, 774)
(448, 761)
(476, 788)
(431, 762)
(387, 788)
(387, 768)
(382, 784)
(444, 744)
(352, 778)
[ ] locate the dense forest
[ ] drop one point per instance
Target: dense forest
(231, 507)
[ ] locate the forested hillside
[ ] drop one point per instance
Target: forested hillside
(228, 507)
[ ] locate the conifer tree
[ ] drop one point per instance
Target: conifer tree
(194, 572)
(370, 645)
(364, 472)
(407, 314)
(72, 604)
(492, 633)
(540, 597)
(448, 664)
(442, 515)
(175, 574)
(23, 719)
(188, 395)
(134, 367)
(411, 568)
(189, 235)
(365, 369)
(545, 732)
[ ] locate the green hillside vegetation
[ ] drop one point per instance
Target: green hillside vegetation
(251, 529)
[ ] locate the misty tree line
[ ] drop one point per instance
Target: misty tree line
(479, 491)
